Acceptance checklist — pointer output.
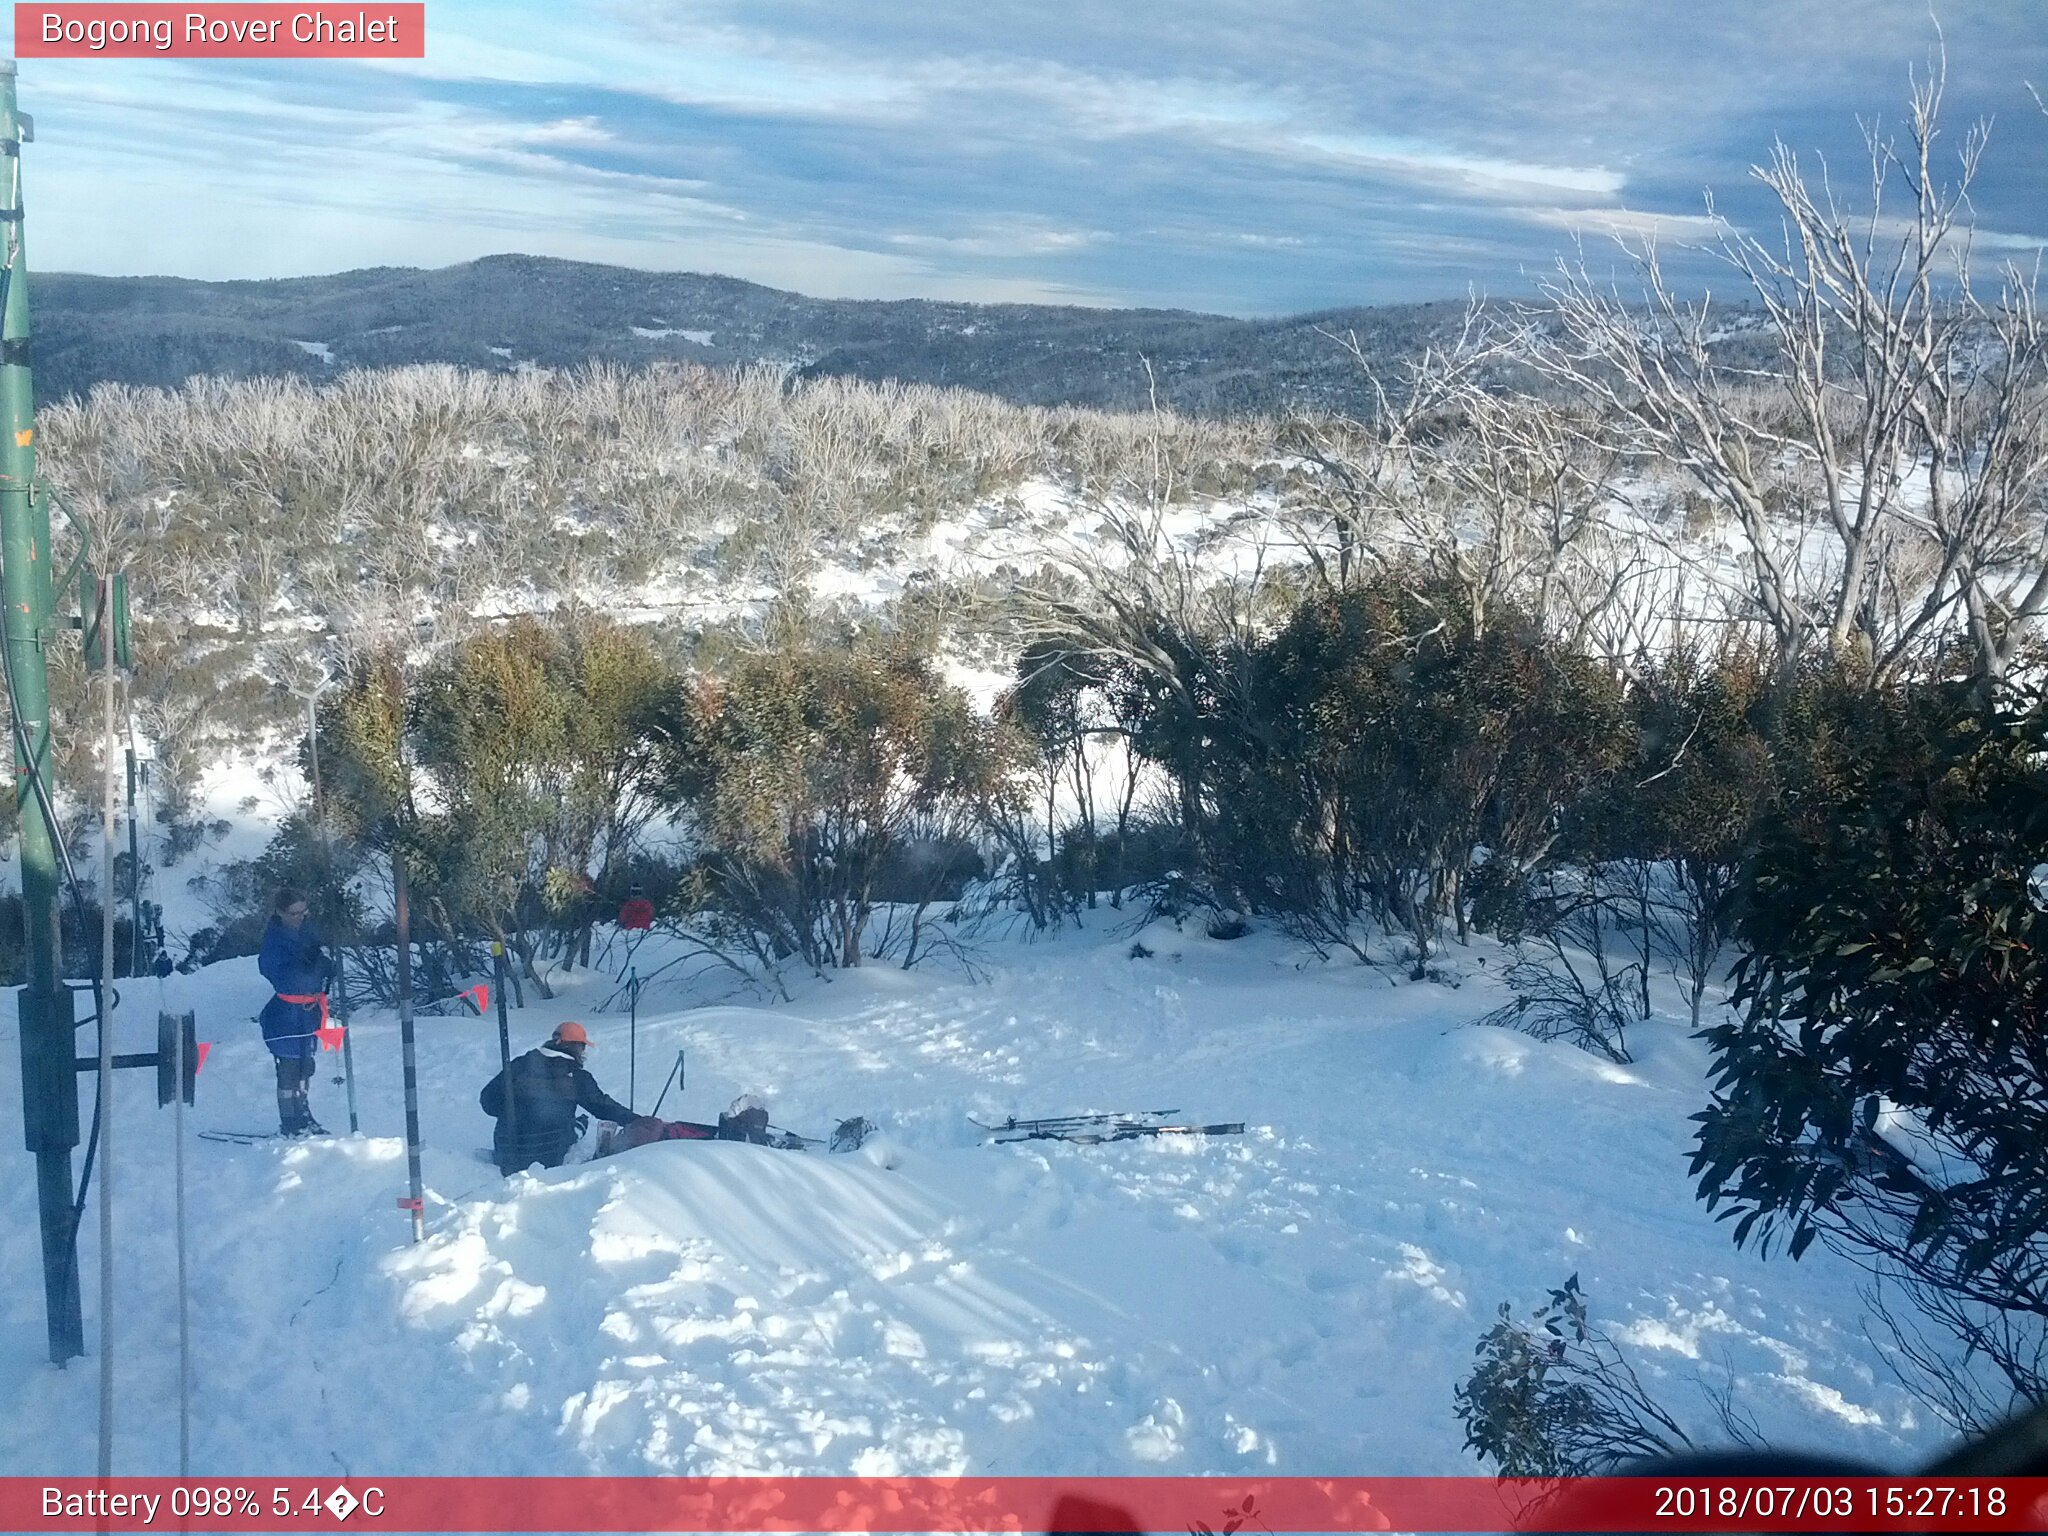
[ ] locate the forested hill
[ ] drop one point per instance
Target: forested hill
(508, 312)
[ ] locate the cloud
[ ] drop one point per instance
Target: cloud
(1247, 155)
(1476, 174)
(1003, 241)
(568, 130)
(1631, 225)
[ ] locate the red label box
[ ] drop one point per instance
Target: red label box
(1203, 1506)
(366, 29)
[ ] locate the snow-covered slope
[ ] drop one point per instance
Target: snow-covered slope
(1300, 1299)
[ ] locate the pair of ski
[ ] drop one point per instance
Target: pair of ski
(251, 1138)
(1094, 1129)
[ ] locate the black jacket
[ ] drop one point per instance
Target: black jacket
(537, 1118)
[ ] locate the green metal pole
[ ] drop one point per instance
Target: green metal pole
(49, 1085)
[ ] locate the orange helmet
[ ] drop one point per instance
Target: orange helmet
(571, 1034)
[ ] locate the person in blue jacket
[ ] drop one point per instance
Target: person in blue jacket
(296, 965)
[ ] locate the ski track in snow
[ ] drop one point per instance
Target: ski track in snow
(1297, 1300)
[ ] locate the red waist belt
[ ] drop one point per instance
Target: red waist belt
(330, 1036)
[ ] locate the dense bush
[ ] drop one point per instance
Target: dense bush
(813, 777)
(1892, 923)
(1382, 747)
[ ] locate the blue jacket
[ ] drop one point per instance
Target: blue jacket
(295, 963)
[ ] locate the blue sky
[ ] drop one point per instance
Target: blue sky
(1241, 156)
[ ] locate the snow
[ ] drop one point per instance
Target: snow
(1300, 1299)
(504, 352)
(318, 349)
(701, 338)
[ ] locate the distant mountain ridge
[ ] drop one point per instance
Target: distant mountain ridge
(508, 312)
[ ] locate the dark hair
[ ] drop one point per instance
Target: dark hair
(286, 898)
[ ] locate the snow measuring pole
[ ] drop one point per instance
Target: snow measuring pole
(49, 1082)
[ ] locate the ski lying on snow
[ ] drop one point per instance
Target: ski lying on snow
(249, 1138)
(1125, 1131)
(1064, 1122)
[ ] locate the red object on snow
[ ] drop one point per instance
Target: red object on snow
(638, 912)
(647, 1130)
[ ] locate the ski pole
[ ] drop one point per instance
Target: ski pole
(505, 1045)
(675, 1075)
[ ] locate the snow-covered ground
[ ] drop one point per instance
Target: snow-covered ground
(1300, 1299)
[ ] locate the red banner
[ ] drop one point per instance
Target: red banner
(1203, 1506)
(368, 29)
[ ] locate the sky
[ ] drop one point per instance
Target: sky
(1247, 157)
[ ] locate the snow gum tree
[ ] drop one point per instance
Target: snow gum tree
(1886, 460)
(492, 729)
(805, 772)
(509, 767)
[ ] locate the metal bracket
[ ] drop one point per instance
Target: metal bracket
(164, 1058)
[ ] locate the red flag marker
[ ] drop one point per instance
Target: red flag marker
(409, 1205)
(480, 994)
(330, 1036)
(200, 1061)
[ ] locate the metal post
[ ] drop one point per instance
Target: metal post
(505, 1045)
(633, 1042)
(106, 1029)
(403, 923)
(184, 1284)
(49, 1087)
(134, 864)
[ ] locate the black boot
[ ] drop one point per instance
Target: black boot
(308, 1126)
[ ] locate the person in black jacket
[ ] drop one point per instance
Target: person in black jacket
(535, 1101)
